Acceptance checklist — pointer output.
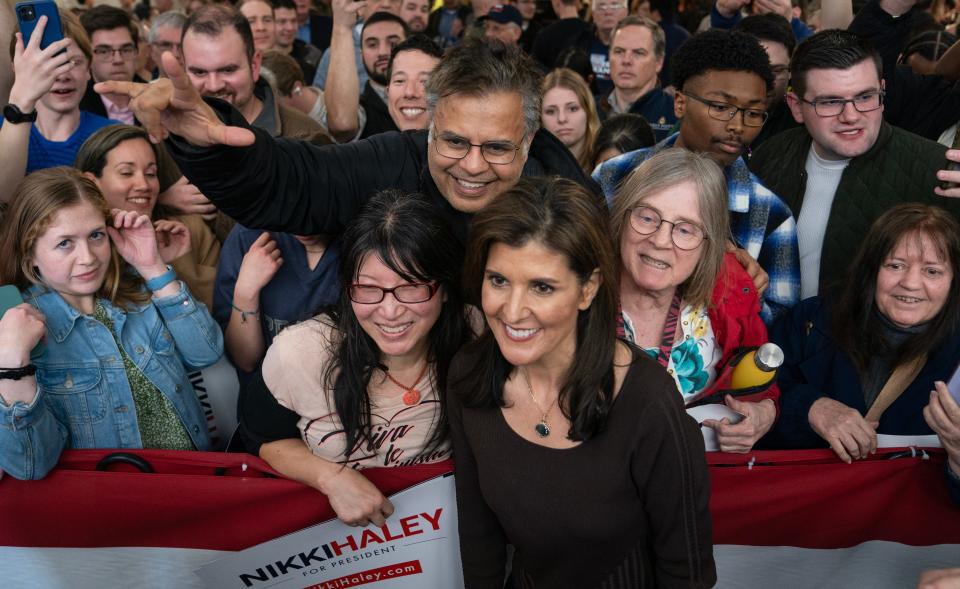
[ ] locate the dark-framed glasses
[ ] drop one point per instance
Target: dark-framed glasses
(494, 152)
(105, 52)
(166, 45)
(722, 111)
(685, 235)
(368, 294)
(831, 107)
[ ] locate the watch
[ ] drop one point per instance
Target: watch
(14, 115)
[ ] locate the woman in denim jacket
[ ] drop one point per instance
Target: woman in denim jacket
(119, 337)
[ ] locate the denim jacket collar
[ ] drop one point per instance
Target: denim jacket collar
(61, 317)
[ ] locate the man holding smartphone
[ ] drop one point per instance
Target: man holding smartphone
(43, 125)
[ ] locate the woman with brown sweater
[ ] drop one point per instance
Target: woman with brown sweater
(569, 444)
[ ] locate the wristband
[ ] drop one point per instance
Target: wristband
(244, 314)
(18, 373)
(158, 282)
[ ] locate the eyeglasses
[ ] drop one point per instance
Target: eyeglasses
(166, 45)
(609, 7)
(105, 52)
(722, 111)
(494, 152)
(685, 235)
(831, 107)
(367, 294)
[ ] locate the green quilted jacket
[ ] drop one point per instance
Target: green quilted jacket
(900, 167)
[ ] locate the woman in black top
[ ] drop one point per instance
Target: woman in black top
(568, 444)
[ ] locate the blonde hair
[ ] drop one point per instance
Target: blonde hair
(571, 80)
(665, 170)
(37, 200)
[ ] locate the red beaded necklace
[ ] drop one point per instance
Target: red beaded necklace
(411, 395)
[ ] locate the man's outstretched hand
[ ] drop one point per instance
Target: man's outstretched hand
(173, 105)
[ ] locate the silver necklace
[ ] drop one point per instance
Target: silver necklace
(542, 429)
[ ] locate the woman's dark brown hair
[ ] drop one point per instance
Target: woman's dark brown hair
(565, 218)
(856, 319)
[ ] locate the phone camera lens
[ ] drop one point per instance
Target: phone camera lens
(27, 13)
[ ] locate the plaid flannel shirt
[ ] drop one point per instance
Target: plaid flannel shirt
(761, 223)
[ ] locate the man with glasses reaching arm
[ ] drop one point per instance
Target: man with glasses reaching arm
(845, 166)
(723, 81)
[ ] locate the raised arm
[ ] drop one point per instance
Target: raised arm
(342, 93)
(284, 185)
(31, 439)
(36, 70)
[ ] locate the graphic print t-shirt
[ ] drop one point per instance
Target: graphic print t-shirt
(294, 370)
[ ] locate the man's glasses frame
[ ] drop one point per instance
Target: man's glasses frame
(724, 111)
(832, 107)
(106, 53)
(494, 152)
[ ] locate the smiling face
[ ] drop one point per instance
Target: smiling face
(116, 65)
(398, 329)
(260, 16)
(285, 20)
(406, 98)
(531, 299)
(633, 64)
(564, 116)
(73, 254)
(376, 43)
(129, 178)
(913, 282)
(652, 263)
(851, 133)
(68, 88)
(471, 182)
(218, 67)
(721, 141)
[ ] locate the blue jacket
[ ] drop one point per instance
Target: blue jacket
(84, 399)
(815, 367)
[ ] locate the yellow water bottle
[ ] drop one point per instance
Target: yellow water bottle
(757, 367)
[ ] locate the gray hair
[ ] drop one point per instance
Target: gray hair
(635, 20)
(170, 18)
(665, 170)
(483, 67)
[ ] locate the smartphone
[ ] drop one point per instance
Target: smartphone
(10, 297)
(953, 385)
(28, 13)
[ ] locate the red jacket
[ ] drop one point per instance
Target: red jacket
(735, 317)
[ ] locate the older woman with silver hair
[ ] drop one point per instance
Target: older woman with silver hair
(683, 299)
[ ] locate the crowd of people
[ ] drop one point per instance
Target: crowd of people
(524, 236)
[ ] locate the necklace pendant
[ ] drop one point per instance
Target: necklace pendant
(411, 397)
(542, 429)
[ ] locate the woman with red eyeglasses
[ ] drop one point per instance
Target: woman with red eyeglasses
(367, 376)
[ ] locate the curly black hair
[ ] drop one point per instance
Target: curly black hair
(720, 50)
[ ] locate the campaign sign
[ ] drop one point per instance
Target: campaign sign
(417, 547)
